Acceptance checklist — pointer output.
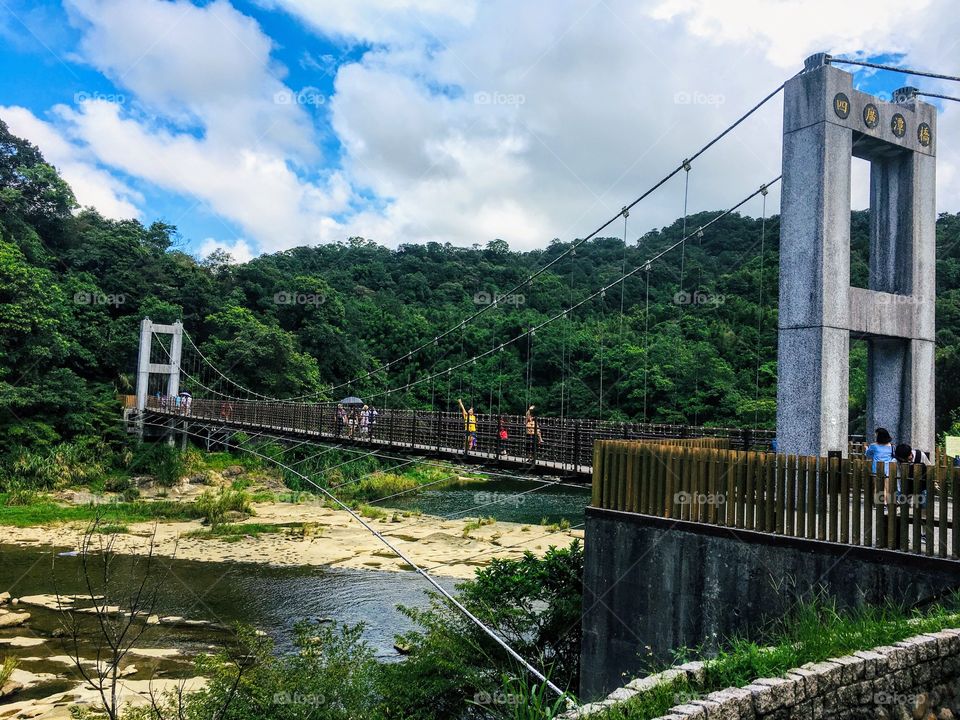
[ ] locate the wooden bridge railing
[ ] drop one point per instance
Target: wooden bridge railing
(903, 506)
(565, 443)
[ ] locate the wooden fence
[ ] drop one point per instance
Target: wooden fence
(902, 507)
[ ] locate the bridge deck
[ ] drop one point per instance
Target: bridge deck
(561, 445)
(379, 439)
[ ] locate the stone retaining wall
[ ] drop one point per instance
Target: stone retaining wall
(915, 679)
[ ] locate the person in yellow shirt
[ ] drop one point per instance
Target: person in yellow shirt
(469, 425)
(533, 433)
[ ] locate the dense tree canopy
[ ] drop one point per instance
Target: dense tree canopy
(694, 345)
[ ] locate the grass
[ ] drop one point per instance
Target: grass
(45, 511)
(235, 533)
(380, 485)
(7, 667)
(477, 524)
(220, 461)
(214, 507)
(113, 529)
(815, 632)
(371, 513)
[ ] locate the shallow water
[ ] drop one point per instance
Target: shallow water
(270, 598)
(506, 499)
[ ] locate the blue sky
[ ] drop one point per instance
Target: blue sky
(41, 69)
(261, 125)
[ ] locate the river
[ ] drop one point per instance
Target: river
(274, 598)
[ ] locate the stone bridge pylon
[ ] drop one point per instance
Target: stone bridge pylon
(826, 123)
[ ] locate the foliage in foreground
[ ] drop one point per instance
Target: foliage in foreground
(331, 674)
(452, 671)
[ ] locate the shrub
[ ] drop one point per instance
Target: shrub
(533, 603)
(164, 462)
(215, 506)
(371, 512)
(331, 675)
(117, 483)
(60, 466)
(112, 529)
(21, 497)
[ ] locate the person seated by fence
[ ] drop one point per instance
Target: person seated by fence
(533, 433)
(917, 462)
(469, 425)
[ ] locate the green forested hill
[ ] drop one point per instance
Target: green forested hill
(74, 285)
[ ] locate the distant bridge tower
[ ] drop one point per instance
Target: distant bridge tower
(145, 367)
(826, 123)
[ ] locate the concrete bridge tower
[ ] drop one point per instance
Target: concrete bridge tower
(825, 124)
(144, 367)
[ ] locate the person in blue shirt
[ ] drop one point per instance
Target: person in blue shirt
(881, 450)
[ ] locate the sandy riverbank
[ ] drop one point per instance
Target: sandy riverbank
(309, 534)
(331, 537)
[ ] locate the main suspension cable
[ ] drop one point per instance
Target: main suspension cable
(540, 271)
(602, 291)
(830, 60)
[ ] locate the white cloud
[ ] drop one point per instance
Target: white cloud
(207, 68)
(239, 250)
(209, 117)
(92, 185)
(380, 20)
(788, 30)
(466, 121)
(586, 106)
(252, 187)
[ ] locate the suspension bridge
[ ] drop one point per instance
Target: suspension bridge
(826, 123)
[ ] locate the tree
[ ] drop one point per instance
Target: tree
(121, 600)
